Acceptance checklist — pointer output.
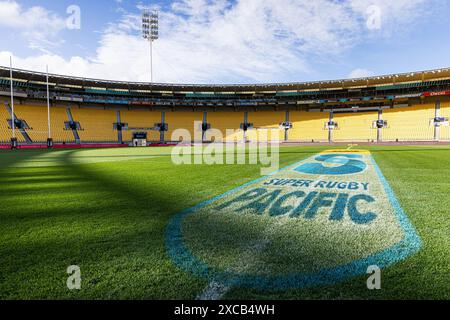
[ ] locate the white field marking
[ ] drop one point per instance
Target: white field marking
(350, 146)
(216, 290)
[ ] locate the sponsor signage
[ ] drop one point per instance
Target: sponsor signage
(434, 94)
(60, 98)
(16, 94)
(308, 102)
(142, 103)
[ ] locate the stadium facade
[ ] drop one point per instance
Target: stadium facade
(401, 107)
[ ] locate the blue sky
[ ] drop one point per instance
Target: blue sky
(241, 41)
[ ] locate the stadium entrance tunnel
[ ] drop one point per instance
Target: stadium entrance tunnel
(317, 222)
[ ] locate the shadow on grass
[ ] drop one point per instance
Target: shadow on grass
(118, 239)
(12, 157)
(120, 236)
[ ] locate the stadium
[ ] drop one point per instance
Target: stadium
(119, 200)
(412, 107)
(328, 190)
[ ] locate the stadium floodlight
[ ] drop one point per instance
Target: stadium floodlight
(150, 32)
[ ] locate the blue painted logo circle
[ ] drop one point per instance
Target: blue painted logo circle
(334, 164)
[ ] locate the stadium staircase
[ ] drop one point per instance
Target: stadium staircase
(74, 131)
(119, 132)
(21, 128)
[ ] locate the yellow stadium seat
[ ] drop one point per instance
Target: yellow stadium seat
(140, 119)
(5, 131)
(308, 126)
(96, 125)
(409, 124)
(184, 120)
(355, 127)
(445, 112)
(230, 121)
(404, 124)
(36, 118)
(266, 126)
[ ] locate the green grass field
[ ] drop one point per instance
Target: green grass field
(107, 211)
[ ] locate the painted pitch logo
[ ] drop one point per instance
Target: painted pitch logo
(317, 222)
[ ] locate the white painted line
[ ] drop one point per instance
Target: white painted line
(214, 291)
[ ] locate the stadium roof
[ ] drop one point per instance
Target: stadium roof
(32, 76)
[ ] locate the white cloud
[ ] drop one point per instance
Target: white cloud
(360, 73)
(37, 25)
(216, 41)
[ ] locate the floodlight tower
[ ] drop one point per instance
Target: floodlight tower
(150, 32)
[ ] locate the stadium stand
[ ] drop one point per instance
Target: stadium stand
(266, 120)
(308, 126)
(445, 112)
(409, 104)
(409, 124)
(5, 129)
(404, 124)
(355, 127)
(96, 125)
(36, 117)
(227, 120)
(140, 121)
(183, 120)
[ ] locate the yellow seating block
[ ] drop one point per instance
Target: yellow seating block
(266, 125)
(357, 127)
(184, 120)
(227, 120)
(308, 126)
(5, 130)
(36, 118)
(409, 124)
(97, 125)
(445, 112)
(140, 119)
